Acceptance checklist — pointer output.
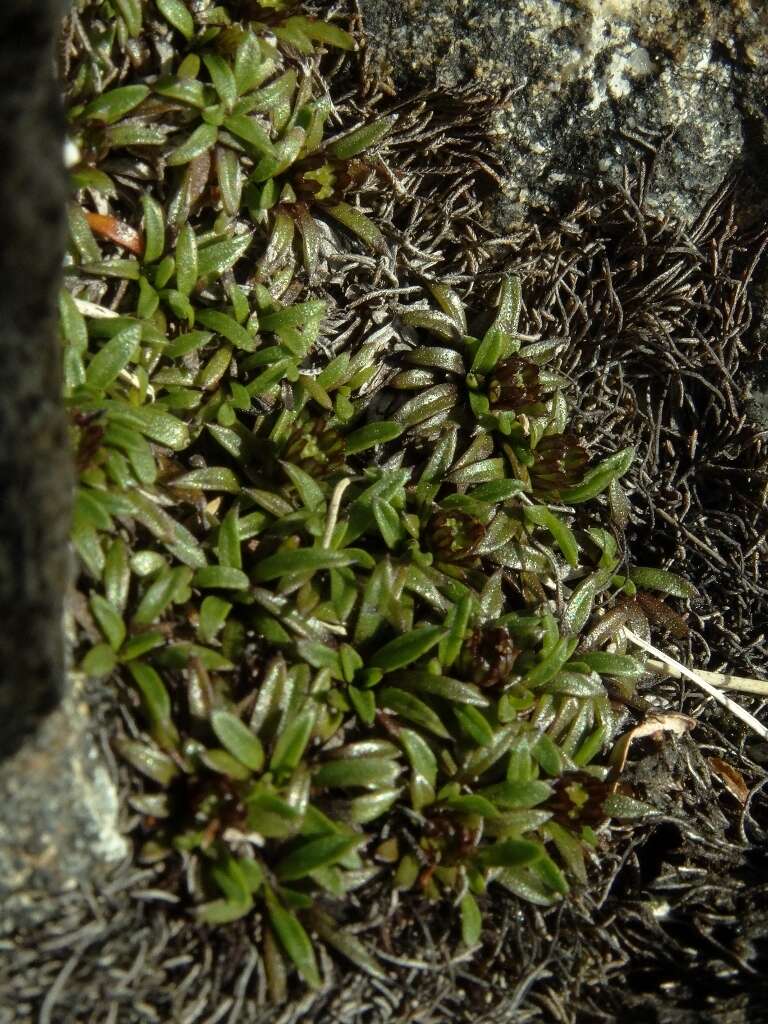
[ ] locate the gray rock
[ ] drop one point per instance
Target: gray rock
(35, 466)
(60, 810)
(592, 83)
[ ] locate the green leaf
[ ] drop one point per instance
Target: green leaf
(364, 703)
(346, 943)
(492, 599)
(616, 805)
(471, 920)
(73, 326)
(112, 358)
(492, 348)
(496, 491)
(131, 13)
(127, 269)
(456, 624)
(550, 874)
(607, 664)
(474, 724)
(219, 257)
(324, 32)
(176, 14)
(183, 90)
(117, 575)
(478, 472)
(666, 582)
(99, 661)
(298, 315)
(228, 877)
(550, 664)
(229, 540)
(199, 142)
(369, 772)
(320, 656)
(404, 650)
(441, 686)
(577, 684)
(167, 430)
(178, 655)
(139, 134)
(292, 741)
(222, 78)
(439, 324)
(569, 848)
(412, 708)
(275, 100)
(154, 228)
(248, 64)
(81, 233)
(294, 940)
(213, 478)
(271, 816)
(109, 619)
(424, 765)
(579, 607)
(271, 376)
(224, 763)
(186, 260)
(157, 703)
(210, 375)
(472, 804)
(596, 480)
(388, 522)
(356, 222)
(361, 138)
(160, 595)
(372, 434)
(228, 328)
(607, 544)
(90, 509)
(314, 854)
(563, 535)
(235, 736)
(230, 179)
(547, 753)
(223, 911)
(111, 106)
(304, 560)
(251, 132)
(213, 613)
(510, 303)
(284, 153)
(310, 492)
(221, 577)
(510, 853)
(150, 762)
(137, 646)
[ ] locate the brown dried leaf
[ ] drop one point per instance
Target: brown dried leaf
(116, 231)
(732, 779)
(653, 725)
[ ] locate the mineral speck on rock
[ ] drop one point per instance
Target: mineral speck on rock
(587, 76)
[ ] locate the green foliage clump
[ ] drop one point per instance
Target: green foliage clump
(338, 593)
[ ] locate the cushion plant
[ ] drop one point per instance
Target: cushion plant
(360, 593)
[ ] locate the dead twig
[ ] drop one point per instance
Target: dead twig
(696, 677)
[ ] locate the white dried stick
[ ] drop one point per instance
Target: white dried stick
(695, 677)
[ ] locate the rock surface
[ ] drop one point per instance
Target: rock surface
(60, 810)
(593, 81)
(35, 471)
